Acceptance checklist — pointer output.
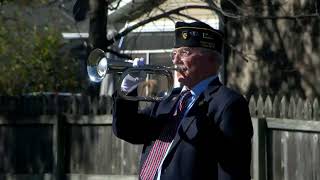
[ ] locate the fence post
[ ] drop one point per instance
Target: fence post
(259, 148)
(316, 111)
(58, 140)
(55, 149)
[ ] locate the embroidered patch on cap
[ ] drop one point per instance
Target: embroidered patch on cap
(185, 35)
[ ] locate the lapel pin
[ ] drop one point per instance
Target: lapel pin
(201, 103)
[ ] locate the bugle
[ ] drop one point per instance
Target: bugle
(98, 66)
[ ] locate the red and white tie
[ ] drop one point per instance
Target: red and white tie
(160, 147)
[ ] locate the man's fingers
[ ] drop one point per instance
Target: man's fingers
(138, 62)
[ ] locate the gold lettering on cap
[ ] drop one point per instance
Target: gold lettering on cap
(208, 44)
(207, 36)
(194, 33)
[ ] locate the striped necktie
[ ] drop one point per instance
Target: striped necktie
(160, 147)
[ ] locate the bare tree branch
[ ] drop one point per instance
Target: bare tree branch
(114, 7)
(214, 8)
(236, 6)
(293, 17)
(243, 55)
(187, 16)
(163, 11)
(154, 18)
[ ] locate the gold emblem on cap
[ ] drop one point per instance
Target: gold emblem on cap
(184, 35)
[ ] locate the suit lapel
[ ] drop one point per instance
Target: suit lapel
(190, 117)
(184, 125)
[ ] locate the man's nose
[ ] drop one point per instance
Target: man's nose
(176, 59)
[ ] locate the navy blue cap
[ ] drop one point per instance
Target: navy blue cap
(198, 34)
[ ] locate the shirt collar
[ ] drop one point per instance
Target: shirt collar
(201, 86)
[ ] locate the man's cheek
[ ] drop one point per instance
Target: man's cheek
(179, 73)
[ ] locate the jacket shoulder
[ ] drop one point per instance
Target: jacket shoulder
(228, 95)
(223, 98)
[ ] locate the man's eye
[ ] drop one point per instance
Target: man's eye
(185, 52)
(173, 54)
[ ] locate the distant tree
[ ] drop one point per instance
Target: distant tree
(32, 58)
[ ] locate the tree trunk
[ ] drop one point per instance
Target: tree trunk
(97, 34)
(98, 24)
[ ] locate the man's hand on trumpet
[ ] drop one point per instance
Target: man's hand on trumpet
(130, 82)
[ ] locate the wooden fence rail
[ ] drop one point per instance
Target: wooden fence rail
(68, 136)
(55, 104)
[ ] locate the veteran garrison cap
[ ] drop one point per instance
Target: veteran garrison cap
(198, 34)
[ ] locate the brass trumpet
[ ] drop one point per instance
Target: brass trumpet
(98, 66)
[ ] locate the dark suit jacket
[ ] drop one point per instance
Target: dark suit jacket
(213, 141)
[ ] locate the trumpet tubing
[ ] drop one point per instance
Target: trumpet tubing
(98, 66)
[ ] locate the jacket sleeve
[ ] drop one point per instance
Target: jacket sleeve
(129, 123)
(234, 141)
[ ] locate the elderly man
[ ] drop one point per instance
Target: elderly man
(202, 130)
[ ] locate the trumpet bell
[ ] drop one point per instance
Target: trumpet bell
(97, 65)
